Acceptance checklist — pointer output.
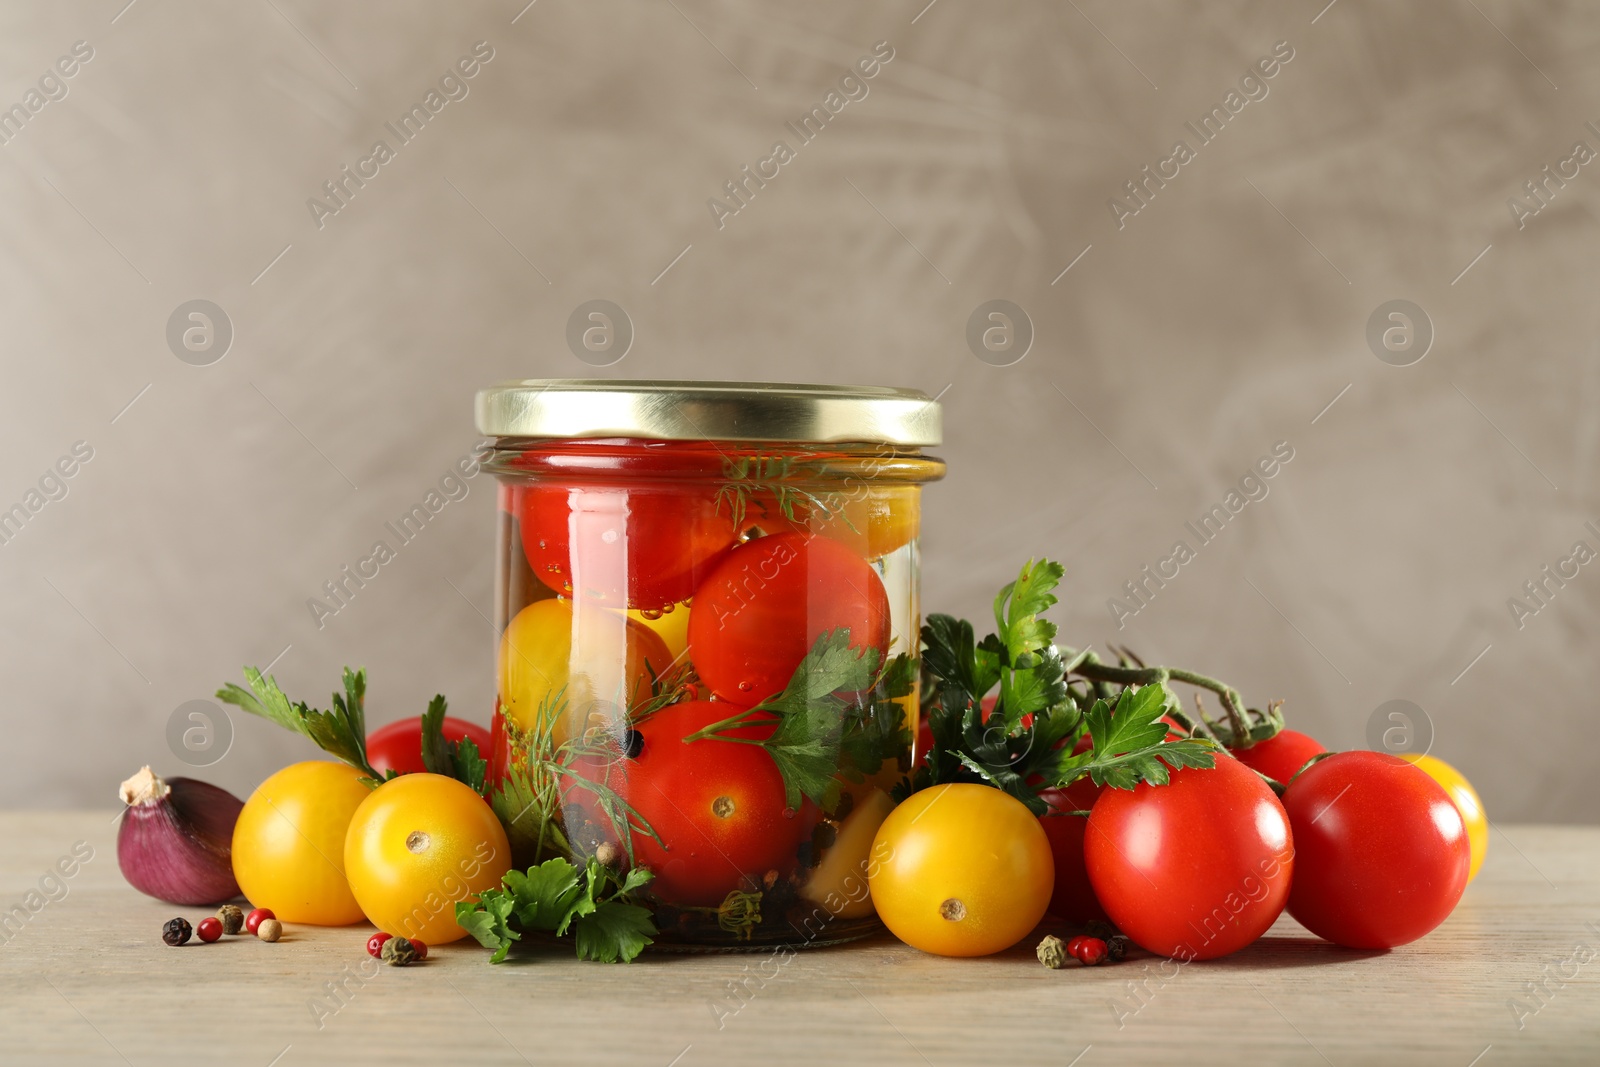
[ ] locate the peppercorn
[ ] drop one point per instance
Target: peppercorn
(398, 952)
(176, 931)
(375, 944)
(632, 744)
(232, 918)
(210, 929)
(1100, 928)
(420, 949)
(1117, 946)
(255, 918)
(1052, 953)
(1090, 951)
(269, 930)
(608, 854)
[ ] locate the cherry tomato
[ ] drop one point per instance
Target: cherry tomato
(1279, 756)
(1382, 850)
(718, 806)
(874, 522)
(416, 846)
(540, 676)
(639, 547)
(288, 845)
(1194, 869)
(764, 606)
(1073, 898)
(1467, 802)
(961, 870)
(398, 746)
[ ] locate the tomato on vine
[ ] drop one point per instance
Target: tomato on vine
(1382, 853)
(1280, 756)
(1194, 869)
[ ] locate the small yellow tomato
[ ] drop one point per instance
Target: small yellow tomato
(288, 845)
(961, 870)
(1466, 799)
(539, 676)
(671, 624)
(840, 880)
(416, 846)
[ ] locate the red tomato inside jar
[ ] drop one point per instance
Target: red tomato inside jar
(707, 608)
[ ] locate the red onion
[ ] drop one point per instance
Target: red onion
(176, 839)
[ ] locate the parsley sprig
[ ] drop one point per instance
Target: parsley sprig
(837, 702)
(592, 904)
(1023, 745)
(342, 732)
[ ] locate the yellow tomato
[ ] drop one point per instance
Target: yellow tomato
(417, 845)
(961, 870)
(288, 845)
(541, 677)
(873, 521)
(1466, 798)
(839, 882)
(672, 626)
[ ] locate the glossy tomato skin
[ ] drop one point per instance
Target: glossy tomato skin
(718, 806)
(417, 846)
(641, 547)
(1382, 850)
(1279, 756)
(762, 608)
(398, 746)
(1073, 898)
(1194, 869)
(960, 870)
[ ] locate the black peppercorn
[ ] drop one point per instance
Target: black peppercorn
(1100, 928)
(1117, 946)
(632, 744)
(176, 932)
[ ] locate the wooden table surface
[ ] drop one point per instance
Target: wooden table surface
(86, 980)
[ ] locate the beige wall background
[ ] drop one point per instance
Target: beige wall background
(1224, 317)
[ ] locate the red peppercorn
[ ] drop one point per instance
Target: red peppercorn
(375, 944)
(1090, 951)
(209, 928)
(1072, 945)
(422, 950)
(256, 917)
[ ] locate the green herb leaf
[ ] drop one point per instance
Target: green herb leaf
(435, 749)
(805, 742)
(593, 904)
(342, 732)
(1129, 743)
(614, 933)
(467, 765)
(1030, 595)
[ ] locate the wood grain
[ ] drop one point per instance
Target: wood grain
(86, 980)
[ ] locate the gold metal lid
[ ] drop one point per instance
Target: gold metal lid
(708, 411)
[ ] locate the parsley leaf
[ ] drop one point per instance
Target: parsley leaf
(593, 904)
(342, 732)
(1130, 743)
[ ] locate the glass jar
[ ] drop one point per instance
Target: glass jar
(707, 607)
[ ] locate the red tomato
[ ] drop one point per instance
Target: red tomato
(759, 612)
(1383, 853)
(1194, 869)
(1073, 898)
(718, 806)
(398, 746)
(640, 547)
(1279, 756)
